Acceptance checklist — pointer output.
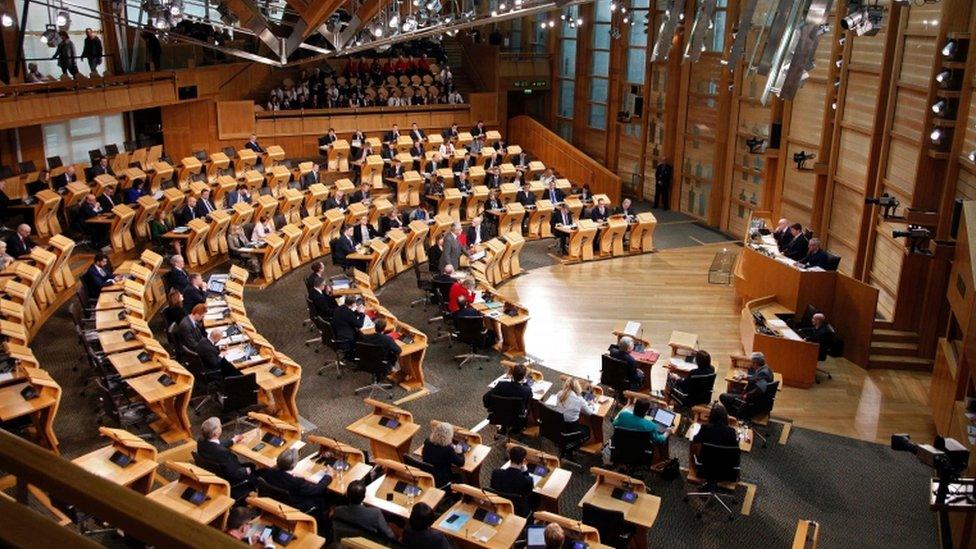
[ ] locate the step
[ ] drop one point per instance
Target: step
(902, 336)
(894, 348)
(895, 362)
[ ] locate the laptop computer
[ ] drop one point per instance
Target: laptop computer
(663, 418)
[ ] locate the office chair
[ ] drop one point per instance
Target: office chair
(697, 390)
(442, 290)
(310, 321)
(823, 348)
(200, 155)
(266, 490)
(372, 358)
(85, 300)
(414, 460)
(54, 162)
(211, 379)
(631, 450)
(757, 413)
(239, 490)
(240, 396)
(716, 467)
(472, 331)
(833, 262)
(523, 507)
(552, 427)
(508, 415)
(111, 149)
(613, 376)
(614, 530)
(425, 285)
(130, 146)
(339, 347)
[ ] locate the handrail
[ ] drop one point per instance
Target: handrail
(296, 113)
(60, 86)
(128, 510)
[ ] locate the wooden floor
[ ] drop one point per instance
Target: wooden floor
(574, 308)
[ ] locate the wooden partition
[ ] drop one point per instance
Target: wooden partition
(570, 162)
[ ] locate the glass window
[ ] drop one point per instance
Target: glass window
(72, 139)
(635, 65)
(567, 64)
(598, 116)
(565, 129)
(601, 63)
(638, 36)
(566, 95)
(601, 36)
(717, 40)
(39, 16)
(602, 11)
(598, 90)
(570, 32)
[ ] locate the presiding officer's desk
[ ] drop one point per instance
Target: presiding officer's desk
(331, 451)
(610, 491)
(461, 525)
(388, 428)
(786, 352)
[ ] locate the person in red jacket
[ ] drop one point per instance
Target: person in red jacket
(464, 288)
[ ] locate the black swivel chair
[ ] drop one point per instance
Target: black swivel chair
(614, 530)
(417, 462)
(310, 322)
(54, 162)
(552, 427)
(472, 331)
(442, 292)
(339, 347)
(425, 285)
(631, 450)
(373, 359)
(614, 376)
(239, 490)
(266, 490)
(210, 380)
(826, 345)
(715, 466)
(697, 390)
(507, 414)
(756, 414)
(240, 395)
(833, 262)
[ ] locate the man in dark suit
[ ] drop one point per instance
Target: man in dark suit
(337, 201)
(821, 334)
(392, 136)
(513, 388)
(381, 339)
(417, 150)
(625, 208)
(362, 194)
(190, 330)
(782, 234)
(815, 257)
(240, 194)
(462, 166)
(311, 177)
(561, 217)
(525, 196)
(621, 352)
(212, 357)
(492, 161)
(204, 205)
(317, 271)
(252, 143)
(323, 304)
(757, 383)
(390, 221)
(478, 129)
(105, 200)
(662, 184)
(195, 292)
(98, 275)
(553, 194)
(20, 243)
(347, 321)
(187, 212)
(601, 212)
(364, 231)
(416, 133)
(452, 248)
(452, 133)
(799, 245)
(328, 138)
(88, 210)
(394, 170)
(212, 449)
(177, 277)
(493, 178)
(345, 245)
(352, 519)
(515, 480)
(62, 181)
(303, 494)
(102, 168)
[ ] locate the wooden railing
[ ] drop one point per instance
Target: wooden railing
(125, 509)
(563, 157)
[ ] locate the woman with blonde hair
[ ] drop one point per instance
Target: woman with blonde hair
(570, 403)
(442, 453)
(262, 228)
(5, 258)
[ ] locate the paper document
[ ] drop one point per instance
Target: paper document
(790, 334)
(235, 354)
(368, 322)
(484, 533)
(777, 323)
(632, 328)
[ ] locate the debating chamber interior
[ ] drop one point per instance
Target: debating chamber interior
(488, 273)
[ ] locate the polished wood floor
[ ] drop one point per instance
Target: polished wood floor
(574, 308)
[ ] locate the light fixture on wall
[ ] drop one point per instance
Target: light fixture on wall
(942, 108)
(6, 19)
(63, 19)
(937, 136)
(944, 78)
(972, 156)
(863, 18)
(950, 48)
(756, 145)
(800, 159)
(50, 36)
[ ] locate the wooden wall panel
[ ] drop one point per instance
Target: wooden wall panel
(189, 127)
(909, 117)
(969, 141)
(966, 185)
(916, 64)
(886, 268)
(845, 218)
(807, 113)
(798, 186)
(862, 99)
(235, 119)
(901, 168)
(846, 253)
(853, 158)
(924, 19)
(868, 50)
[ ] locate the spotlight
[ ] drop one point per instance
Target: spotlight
(410, 24)
(623, 9)
(579, 22)
(394, 21)
(940, 107)
(552, 24)
(518, 4)
(159, 22)
(6, 20)
(972, 156)
(63, 19)
(613, 6)
(501, 6)
(626, 20)
(801, 158)
(176, 8)
(944, 78)
(435, 5)
(494, 13)
(50, 36)
(756, 145)
(542, 25)
(378, 31)
(936, 136)
(950, 48)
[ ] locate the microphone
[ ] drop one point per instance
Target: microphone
(494, 508)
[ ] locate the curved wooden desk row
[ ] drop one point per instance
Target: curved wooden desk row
(28, 379)
(33, 287)
(610, 235)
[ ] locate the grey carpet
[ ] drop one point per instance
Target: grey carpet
(862, 493)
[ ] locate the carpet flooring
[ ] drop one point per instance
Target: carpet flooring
(863, 494)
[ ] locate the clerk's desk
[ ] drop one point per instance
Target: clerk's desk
(256, 445)
(387, 492)
(573, 529)
(212, 511)
(474, 458)
(786, 352)
(329, 451)
(475, 533)
(137, 474)
(641, 513)
(548, 486)
(849, 304)
(274, 514)
(386, 442)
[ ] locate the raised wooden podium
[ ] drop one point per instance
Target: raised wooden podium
(409, 188)
(539, 220)
(642, 233)
(339, 156)
(46, 213)
(511, 218)
(451, 204)
(612, 237)
(581, 239)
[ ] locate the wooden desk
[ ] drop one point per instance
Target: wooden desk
(682, 343)
(272, 513)
(700, 417)
(502, 535)
(267, 427)
(382, 493)
(373, 171)
(278, 393)
(128, 363)
(509, 263)
(329, 451)
(385, 442)
(474, 458)
(642, 233)
(539, 220)
(581, 238)
(218, 163)
(786, 352)
(168, 403)
(641, 513)
(138, 474)
(604, 404)
(409, 188)
(338, 158)
(572, 529)
(410, 376)
(548, 486)
(476, 201)
(46, 221)
(213, 510)
(190, 167)
(612, 237)
(41, 410)
(510, 329)
(414, 249)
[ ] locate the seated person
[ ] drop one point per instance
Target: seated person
(205, 206)
(821, 333)
(363, 194)
(798, 247)
(625, 208)
(636, 420)
(173, 313)
(476, 233)
(434, 254)
(338, 200)
(703, 366)
(562, 217)
(717, 430)
(187, 212)
(264, 227)
(212, 357)
(464, 288)
(190, 330)
(622, 352)
(442, 453)
(348, 320)
(317, 270)
(135, 192)
(390, 221)
(382, 339)
(419, 534)
(323, 303)
(239, 525)
(782, 234)
(570, 403)
(364, 232)
(525, 196)
(98, 276)
(212, 449)
(554, 536)
(238, 245)
(757, 382)
(194, 293)
(353, 519)
(815, 257)
(512, 388)
(303, 494)
(600, 212)
(515, 480)
(177, 277)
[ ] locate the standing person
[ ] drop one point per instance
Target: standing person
(662, 184)
(154, 51)
(66, 54)
(92, 51)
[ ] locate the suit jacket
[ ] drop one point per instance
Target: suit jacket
(470, 236)
(417, 135)
(452, 252)
(17, 247)
(231, 468)
(346, 324)
(554, 195)
(87, 211)
(386, 224)
(619, 210)
(417, 152)
(783, 238)
(525, 198)
(254, 147)
(63, 180)
(462, 165)
(359, 196)
(450, 133)
(309, 179)
(99, 170)
(797, 248)
(386, 342)
(357, 233)
(95, 279)
(596, 215)
(210, 357)
(508, 389)
(233, 197)
(818, 258)
(193, 296)
(178, 279)
(344, 246)
(365, 518)
(203, 208)
(632, 374)
(492, 181)
(442, 459)
(493, 161)
(493, 204)
(557, 219)
(184, 215)
(323, 305)
(758, 381)
(517, 482)
(189, 333)
(303, 494)
(333, 203)
(391, 137)
(106, 201)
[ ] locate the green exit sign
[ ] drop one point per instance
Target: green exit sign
(531, 84)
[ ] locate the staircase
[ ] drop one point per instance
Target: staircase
(896, 349)
(455, 59)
